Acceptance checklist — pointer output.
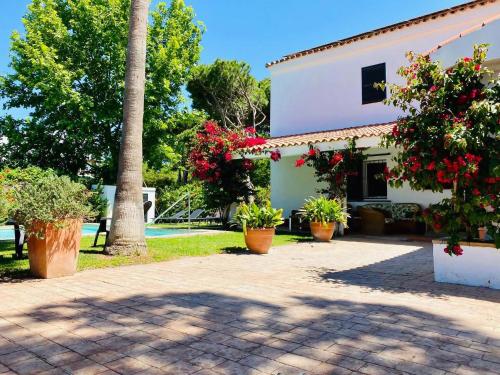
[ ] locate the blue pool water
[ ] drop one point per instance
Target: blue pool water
(7, 233)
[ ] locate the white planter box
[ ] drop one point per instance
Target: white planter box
(479, 265)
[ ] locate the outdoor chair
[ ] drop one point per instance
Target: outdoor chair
(211, 218)
(104, 225)
(195, 216)
(174, 217)
(19, 239)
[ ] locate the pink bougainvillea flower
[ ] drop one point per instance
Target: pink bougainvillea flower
(299, 162)
(275, 155)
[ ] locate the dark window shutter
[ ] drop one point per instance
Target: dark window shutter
(370, 75)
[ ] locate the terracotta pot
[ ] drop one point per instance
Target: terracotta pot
(259, 241)
(56, 254)
(482, 233)
(322, 233)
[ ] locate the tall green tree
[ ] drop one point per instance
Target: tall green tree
(229, 94)
(69, 71)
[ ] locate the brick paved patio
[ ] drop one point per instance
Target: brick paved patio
(352, 306)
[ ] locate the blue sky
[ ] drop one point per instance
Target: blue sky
(259, 31)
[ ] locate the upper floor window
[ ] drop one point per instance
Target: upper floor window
(370, 75)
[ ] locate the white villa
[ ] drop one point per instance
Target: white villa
(324, 96)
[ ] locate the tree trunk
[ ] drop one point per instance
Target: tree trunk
(127, 226)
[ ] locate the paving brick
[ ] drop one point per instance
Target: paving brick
(355, 304)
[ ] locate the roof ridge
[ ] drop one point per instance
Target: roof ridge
(324, 136)
(334, 130)
(388, 28)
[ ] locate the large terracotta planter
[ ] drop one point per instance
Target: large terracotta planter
(322, 233)
(259, 241)
(56, 253)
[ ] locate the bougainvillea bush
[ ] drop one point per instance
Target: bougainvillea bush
(450, 140)
(217, 160)
(333, 167)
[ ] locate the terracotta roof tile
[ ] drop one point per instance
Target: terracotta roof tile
(383, 30)
(325, 136)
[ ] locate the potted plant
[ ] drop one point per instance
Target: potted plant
(322, 214)
(259, 224)
(51, 209)
(448, 140)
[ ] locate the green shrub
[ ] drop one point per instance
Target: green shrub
(324, 210)
(254, 216)
(48, 199)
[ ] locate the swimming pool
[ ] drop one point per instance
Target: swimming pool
(7, 233)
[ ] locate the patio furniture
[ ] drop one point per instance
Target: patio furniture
(390, 218)
(19, 239)
(104, 225)
(211, 218)
(175, 216)
(195, 216)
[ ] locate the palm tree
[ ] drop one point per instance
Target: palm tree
(127, 226)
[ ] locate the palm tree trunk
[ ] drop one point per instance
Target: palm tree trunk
(127, 226)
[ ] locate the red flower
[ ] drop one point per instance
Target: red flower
(395, 131)
(477, 67)
(211, 127)
(474, 93)
(433, 88)
(457, 250)
(275, 155)
(437, 226)
(462, 99)
(312, 152)
(467, 59)
(476, 192)
(431, 166)
(247, 164)
(250, 130)
(299, 162)
(228, 156)
(336, 158)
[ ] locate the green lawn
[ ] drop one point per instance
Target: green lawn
(159, 250)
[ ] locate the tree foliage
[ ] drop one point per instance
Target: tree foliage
(230, 95)
(68, 72)
(450, 139)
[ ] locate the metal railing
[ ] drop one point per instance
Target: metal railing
(181, 199)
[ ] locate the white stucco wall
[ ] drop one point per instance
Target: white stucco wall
(322, 91)
(489, 34)
(290, 186)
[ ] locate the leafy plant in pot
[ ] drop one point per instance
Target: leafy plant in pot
(51, 209)
(259, 225)
(322, 214)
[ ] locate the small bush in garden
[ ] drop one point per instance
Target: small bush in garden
(257, 217)
(47, 199)
(450, 139)
(323, 210)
